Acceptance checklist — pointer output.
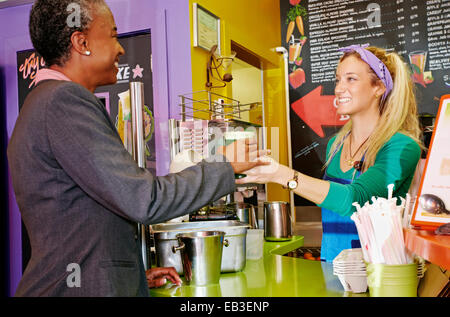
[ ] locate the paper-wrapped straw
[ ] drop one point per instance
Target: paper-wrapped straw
(406, 211)
(380, 229)
(390, 190)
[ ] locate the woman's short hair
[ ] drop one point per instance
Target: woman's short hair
(52, 23)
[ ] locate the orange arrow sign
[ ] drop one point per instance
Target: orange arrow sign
(318, 111)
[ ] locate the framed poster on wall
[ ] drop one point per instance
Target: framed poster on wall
(206, 28)
(433, 198)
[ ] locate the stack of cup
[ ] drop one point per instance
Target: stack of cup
(349, 266)
(394, 280)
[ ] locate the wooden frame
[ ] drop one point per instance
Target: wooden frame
(206, 28)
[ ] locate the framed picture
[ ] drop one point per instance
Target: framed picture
(431, 209)
(206, 28)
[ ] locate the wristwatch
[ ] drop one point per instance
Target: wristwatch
(293, 183)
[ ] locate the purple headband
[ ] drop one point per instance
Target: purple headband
(378, 66)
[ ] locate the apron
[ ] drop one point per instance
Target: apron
(339, 232)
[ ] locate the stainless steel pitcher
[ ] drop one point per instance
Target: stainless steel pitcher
(277, 221)
(201, 255)
(245, 212)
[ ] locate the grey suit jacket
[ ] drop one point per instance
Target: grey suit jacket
(80, 195)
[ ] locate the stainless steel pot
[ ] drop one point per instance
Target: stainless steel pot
(201, 254)
(277, 221)
(234, 257)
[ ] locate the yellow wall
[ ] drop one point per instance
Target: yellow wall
(254, 25)
(275, 122)
(246, 87)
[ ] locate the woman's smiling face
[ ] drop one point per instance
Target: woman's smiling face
(105, 48)
(355, 91)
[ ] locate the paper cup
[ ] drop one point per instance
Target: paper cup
(392, 280)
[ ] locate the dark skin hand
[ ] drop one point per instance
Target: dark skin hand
(158, 276)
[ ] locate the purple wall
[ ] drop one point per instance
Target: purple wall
(168, 21)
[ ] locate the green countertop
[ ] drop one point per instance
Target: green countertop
(274, 275)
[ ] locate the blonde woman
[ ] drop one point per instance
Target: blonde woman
(380, 145)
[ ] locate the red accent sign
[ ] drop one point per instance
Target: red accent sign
(318, 111)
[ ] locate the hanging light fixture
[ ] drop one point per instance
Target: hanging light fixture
(214, 62)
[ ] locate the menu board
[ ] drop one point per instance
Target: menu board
(418, 30)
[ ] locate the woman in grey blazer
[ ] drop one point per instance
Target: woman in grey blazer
(79, 191)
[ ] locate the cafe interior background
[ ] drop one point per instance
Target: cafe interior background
(273, 66)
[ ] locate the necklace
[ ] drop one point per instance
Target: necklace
(351, 161)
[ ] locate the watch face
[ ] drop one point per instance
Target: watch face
(292, 184)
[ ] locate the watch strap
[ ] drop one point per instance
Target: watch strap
(295, 178)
